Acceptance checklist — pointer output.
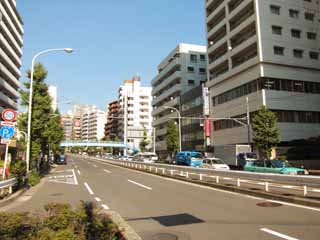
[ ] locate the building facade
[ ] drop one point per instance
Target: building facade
(111, 128)
(92, 125)
(67, 123)
(268, 51)
(11, 32)
(77, 113)
(53, 93)
(135, 106)
(183, 69)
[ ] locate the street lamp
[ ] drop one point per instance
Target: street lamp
(67, 50)
(179, 122)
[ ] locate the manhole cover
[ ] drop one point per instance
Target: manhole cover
(269, 204)
(164, 236)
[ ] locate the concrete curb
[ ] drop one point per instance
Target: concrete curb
(126, 230)
(256, 193)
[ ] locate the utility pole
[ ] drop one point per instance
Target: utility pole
(125, 122)
(248, 121)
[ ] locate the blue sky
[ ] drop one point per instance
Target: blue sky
(113, 40)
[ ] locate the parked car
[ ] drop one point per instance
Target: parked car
(189, 158)
(147, 157)
(60, 159)
(273, 166)
(214, 163)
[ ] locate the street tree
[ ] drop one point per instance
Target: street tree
(265, 133)
(172, 138)
(46, 131)
(144, 142)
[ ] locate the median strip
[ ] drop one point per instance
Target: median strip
(280, 235)
(88, 188)
(139, 184)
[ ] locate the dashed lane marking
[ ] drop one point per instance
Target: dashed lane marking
(280, 235)
(139, 184)
(97, 199)
(107, 171)
(88, 188)
(105, 207)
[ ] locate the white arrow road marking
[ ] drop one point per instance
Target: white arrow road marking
(139, 184)
(97, 199)
(88, 188)
(105, 207)
(107, 171)
(280, 235)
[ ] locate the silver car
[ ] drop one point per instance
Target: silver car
(215, 163)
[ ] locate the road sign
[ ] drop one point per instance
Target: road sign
(5, 141)
(3, 123)
(6, 132)
(9, 115)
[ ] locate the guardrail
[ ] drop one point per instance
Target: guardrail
(8, 184)
(305, 184)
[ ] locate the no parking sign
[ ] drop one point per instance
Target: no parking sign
(9, 115)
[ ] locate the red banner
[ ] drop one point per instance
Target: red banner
(207, 126)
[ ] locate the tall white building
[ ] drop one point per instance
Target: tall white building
(53, 93)
(67, 121)
(77, 113)
(135, 106)
(92, 124)
(183, 69)
(268, 51)
(11, 32)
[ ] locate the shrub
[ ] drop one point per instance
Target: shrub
(19, 170)
(34, 178)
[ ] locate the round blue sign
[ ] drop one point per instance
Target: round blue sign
(6, 132)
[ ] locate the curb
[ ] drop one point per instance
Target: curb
(127, 231)
(270, 196)
(12, 197)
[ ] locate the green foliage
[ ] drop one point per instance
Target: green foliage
(34, 178)
(46, 131)
(145, 142)
(19, 170)
(172, 138)
(265, 133)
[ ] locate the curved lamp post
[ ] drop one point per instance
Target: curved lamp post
(67, 50)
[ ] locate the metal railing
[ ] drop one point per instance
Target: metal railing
(269, 181)
(8, 184)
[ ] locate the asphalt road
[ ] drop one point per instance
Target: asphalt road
(165, 209)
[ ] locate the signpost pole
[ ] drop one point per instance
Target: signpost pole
(5, 162)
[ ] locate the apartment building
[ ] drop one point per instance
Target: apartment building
(111, 127)
(135, 106)
(268, 51)
(11, 32)
(67, 123)
(53, 93)
(77, 113)
(181, 70)
(92, 125)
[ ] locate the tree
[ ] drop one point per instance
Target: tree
(172, 138)
(145, 142)
(46, 131)
(265, 133)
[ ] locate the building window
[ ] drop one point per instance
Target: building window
(190, 69)
(297, 53)
(309, 16)
(311, 35)
(193, 58)
(202, 57)
(314, 55)
(202, 70)
(191, 82)
(275, 9)
(278, 50)
(277, 30)
(295, 33)
(293, 13)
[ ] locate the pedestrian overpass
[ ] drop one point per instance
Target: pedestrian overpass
(95, 144)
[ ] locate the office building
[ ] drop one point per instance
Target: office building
(67, 122)
(92, 125)
(267, 51)
(11, 32)
(135, 106)
(180, 71)
(111, 127)
(77, 113)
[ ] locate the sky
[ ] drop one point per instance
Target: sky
(112, 40)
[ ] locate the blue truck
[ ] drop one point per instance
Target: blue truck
(189, 158)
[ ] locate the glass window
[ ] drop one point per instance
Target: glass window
(297, 53)
(202, 70)
(193, 58)
(309, 16)
(278, 50)
(277, 30)
(286, 85)
(190, 69)
(311, 35)
(314, 55)
(275, 9)
(191, 82)
(202, 57)
(297, 86)
(293, 13)
(295, 33)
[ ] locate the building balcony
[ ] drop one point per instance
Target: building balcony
(174, 63)
(172, 103)
(10, 63)
(216, 16)
(8, 101)
(14, 56)
(164, 119)
(12, 91)
(17, 48)
(8, 75)
(14, 14)
(176, 88)
(166, 82)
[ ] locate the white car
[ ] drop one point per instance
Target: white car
(214, 163)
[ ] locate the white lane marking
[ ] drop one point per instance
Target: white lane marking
(280, 235)
(139, 184)
(227, 178)
(88, 188)
(287, 186)
(75, 177)
(79, 172)
(97, 199)
(105, 207)
(107, 171)
(315, 190)
(212, 189)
